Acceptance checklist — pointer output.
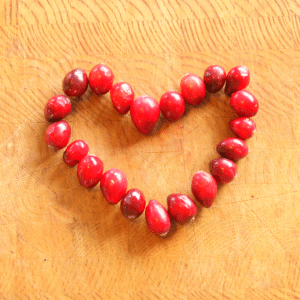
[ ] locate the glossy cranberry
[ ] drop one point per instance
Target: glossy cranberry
(204, 188)
(75, 152)
(157, 218)
(113, 185)
(233, 148)
(223, 169)
(242, 127)
(133, 204)
(57, 108)
(172, 105)
(192, 89)
(237, 79)
(58, 135)
(214, 78)
(101, 79)
(144, 113)
(244, 103)
(75, 83)
(181, 208)
(122, 96)
(89, 171)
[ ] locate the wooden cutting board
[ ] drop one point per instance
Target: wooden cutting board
(61, 241)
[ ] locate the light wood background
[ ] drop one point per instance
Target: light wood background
(61, 241)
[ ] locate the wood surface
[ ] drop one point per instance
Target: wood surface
(61, 241)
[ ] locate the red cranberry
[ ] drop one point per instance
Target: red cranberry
(214, 78)
(181, 208)
(57, 108)
(144, 113)
(192, 89)
(75, 152)
(157, 218)
(58, 135)
(244, 104)
(75, 83)
(233, 148)
(237, 79)
(243, 128)
(133, 204)
(122, 96)
(89, 171)
(113, 185)
(172, 105)
(223, 169)
(204, 188)
(101, 79)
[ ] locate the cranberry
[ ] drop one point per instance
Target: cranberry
(244, 104)
(172, 105)
(76, 151)
(233, 148)
(58, 135)
(181, 208)
(113, 185)
(89, 171)
(57, 108)
(214, 78)
(237, 79)
(144, 113)
(192, 89)
(204, 188)
(243, 128)
(133, 204)
(157, 218)
(223, 169)
(101, 79)
(75, 83)
(122, 96)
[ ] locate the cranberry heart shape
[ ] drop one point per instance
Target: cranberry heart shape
(145, 112)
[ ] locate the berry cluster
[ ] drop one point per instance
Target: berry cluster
(145, 112)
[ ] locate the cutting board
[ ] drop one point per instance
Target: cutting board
(59, 240)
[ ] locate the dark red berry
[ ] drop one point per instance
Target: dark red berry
(181, 208)
(75, 152)
(244, 103)
(192, 89)
(101, 79)
(172, 105)
(133, 204)
(58, 135)
(237, 79)
(89, 171)
(122, 96)
(57, 108)
(223, 169)
(144, 113)
(242, 127)
(233, 148)
(113, 185)
(157, 218)
(204, 188)
(75, 83)
(214, 78)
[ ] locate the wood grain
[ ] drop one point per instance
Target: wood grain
(61, 241)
